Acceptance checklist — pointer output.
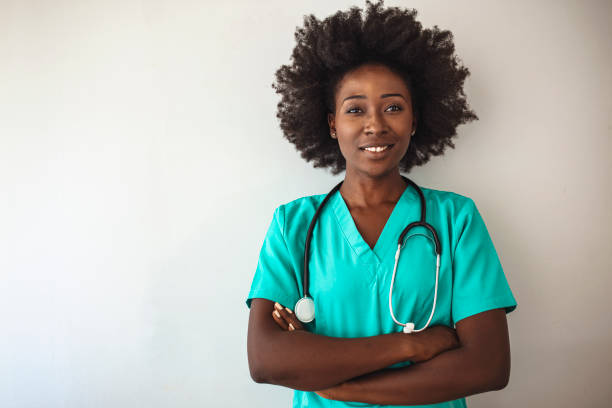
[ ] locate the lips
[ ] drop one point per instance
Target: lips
(379, 144)
(377, 154)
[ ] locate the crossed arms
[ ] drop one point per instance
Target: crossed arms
(354, 369)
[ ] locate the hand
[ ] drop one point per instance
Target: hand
(326, 393)
(338, 392)
(285, 318)
(433, 341)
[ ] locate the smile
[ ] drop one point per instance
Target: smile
(377, 150)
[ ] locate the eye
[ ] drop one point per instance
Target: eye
(398, 108)
(352, 108)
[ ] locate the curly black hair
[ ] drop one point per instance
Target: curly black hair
(326, 50)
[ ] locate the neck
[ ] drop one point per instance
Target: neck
(367, 192)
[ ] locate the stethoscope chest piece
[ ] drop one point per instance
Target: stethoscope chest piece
(305, 309)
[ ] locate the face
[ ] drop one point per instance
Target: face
(373, 108)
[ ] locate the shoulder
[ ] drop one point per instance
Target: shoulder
(456, 210)
(294, 217)
(298, 211)
(448, 200)
(442, 200)
(303, 204)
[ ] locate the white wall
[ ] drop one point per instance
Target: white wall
(141, 160)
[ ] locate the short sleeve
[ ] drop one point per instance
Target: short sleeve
(479, 282)
(275, 276)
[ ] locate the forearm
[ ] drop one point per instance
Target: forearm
(448, 376)
(305, 361)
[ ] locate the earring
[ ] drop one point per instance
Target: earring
(333, 135)
(413, 132)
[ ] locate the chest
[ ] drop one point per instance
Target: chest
(370, 223)
(352, 297)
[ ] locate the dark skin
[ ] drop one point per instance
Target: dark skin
(306, 361)
(373, 107)
(431, 380)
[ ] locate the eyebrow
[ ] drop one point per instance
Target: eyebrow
(364, 97)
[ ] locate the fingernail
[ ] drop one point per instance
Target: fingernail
(278, 306)
(289, 310)
(277, 314)
(291, 327)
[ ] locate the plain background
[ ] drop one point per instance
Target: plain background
(141, 161)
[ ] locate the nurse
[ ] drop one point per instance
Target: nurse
(374, 99)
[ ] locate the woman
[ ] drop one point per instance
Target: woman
(376, 96)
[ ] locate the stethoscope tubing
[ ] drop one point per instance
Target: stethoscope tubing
(306, 302)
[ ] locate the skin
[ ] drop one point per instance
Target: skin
(288, 321)
(449, 363)
(373, 105)
(306, 361)
(406, 386)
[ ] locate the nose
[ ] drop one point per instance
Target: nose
(374, 123)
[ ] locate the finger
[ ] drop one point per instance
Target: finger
(294, 320)
(281, 312)
(279, 320)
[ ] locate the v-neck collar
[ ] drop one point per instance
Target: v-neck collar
(390, 233)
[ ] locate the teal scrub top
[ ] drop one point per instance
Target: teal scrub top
(349, 281)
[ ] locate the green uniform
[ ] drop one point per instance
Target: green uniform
(349, 281)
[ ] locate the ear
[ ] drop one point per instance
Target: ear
(331, 121)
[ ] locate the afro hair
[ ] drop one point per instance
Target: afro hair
(326, 50)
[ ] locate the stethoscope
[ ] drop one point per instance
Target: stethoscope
(305, 307)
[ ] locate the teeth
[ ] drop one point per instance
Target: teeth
(376, 149)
